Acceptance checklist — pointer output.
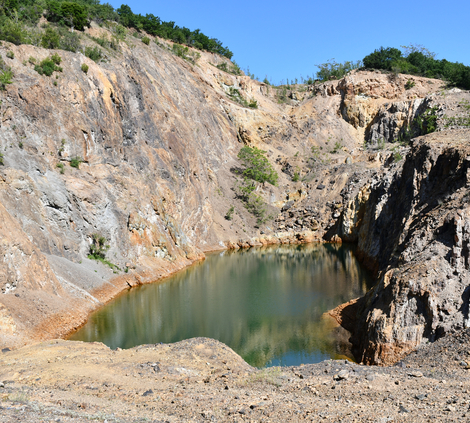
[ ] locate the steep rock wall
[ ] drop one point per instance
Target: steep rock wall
(413, 232)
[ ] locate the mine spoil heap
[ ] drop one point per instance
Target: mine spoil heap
(133, 160)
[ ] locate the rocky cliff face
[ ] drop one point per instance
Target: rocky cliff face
(158, 138)
(413, 231)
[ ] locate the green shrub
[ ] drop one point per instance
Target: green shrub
(50, 38)
(253, 104)
(10, 54)
(146, 40)
(75, 162)
(382, 58)
(84, 67)
(56, 59)
(336, 148)
(409, 84)
(98, 249)
(70, 41)
(257, 166)
(71, 14)
(94, 53)
(6, 77)
(48, 66)
(13, 32)
(1, 159)
(32, 60)
(428, 121)
(61, 167)
(296, 177)
(229, 214)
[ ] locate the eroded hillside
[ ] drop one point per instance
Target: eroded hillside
(153, 142)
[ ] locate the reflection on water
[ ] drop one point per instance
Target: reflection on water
(265, 303)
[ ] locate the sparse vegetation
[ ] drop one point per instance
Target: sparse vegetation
(1, 159)
(84, 68)
(98, 249)
(6, 77)
(409, 84)
(234, 69)
(396, 154)
(49, 65)
(333, 70)
(229, 214)
(10, 54)
(257, 169)
(185, 53)
(463, 120)
(146, 40)
(75, 162)
(337, 148)
(253, 104)
(94, 53)
(61, 167)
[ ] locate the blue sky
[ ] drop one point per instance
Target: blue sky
(287, 39)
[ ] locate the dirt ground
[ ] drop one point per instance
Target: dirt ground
(200, 380)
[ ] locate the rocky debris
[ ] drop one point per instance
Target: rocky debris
(203, 380)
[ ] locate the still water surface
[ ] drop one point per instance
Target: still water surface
(265, 303)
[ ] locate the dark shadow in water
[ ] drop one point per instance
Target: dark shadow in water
(264, 303)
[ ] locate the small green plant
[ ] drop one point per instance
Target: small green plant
(282, 95)
(10, 54)
(380, 143)
(55, 83)
(61, 167)
(146, 40)
(1, 159)
(396, 154)
(56, 59)
(84, 68)
(253, 104)
(336, 148)
(98, 249)
(32, 60)
(75, 162)
(427, 122)
(229, 214)
(296, 177)
(20, 144)
(62, 146)
(409, 84)
(6, 77)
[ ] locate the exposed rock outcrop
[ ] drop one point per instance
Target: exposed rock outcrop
(413, 231)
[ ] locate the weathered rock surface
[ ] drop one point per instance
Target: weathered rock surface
(411, 225)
